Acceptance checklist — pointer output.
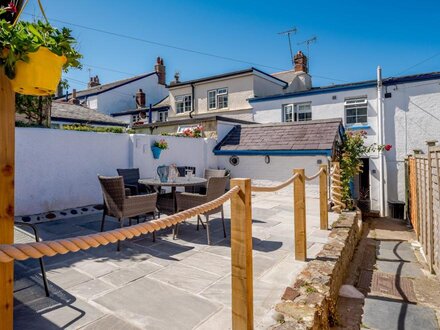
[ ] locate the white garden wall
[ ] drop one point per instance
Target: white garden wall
(57, 169)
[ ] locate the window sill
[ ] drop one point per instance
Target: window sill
(358, 127)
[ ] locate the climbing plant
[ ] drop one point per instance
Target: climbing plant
(352, 150)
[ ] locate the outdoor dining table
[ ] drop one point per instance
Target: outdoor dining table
(178, 182)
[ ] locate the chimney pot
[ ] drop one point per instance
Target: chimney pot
(159, 68)
(74, 100)
(140, 99)
(300, 61)
(94, 81)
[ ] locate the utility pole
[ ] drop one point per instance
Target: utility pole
(308, 42)
(289, 33)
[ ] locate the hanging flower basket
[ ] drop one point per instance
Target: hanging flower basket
(156, 152)
(40, 75)
(33, 54)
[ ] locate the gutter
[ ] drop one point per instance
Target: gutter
(311, 152)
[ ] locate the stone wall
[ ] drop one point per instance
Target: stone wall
(310, 303)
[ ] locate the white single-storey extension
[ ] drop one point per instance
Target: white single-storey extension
(272, 151)
(401, 111)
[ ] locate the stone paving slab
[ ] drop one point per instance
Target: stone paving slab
(151, 304)
(110, 322)
(381, 313)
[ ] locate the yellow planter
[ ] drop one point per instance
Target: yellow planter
(41, 75)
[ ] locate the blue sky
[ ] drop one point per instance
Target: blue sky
(353, 36)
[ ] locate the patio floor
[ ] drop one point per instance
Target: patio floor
(169, 284)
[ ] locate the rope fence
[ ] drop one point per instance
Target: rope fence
(274, 188)
(313, 177)
(36, 250)
(336, 189)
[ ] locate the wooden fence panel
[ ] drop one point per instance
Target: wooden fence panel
(413, 209)
(424, 203)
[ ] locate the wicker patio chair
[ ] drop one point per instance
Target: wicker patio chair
(215, 188)
(209, 173)
(117, 204)
(22, 236)
(131, 178)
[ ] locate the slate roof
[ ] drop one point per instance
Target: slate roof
(311, 135)
(106, 87)
(62, 111)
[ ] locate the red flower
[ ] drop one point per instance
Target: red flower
(11, 7)
(388, 147)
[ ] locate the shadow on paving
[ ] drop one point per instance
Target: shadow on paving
(384, 268)
(32, 310)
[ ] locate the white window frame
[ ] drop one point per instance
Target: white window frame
(183, 100)
(295, 109)
(217, 94)
(284, 117)
(162, 116)
(357, 104)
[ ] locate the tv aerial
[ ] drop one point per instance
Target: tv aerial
(288, 33)
(308, 42)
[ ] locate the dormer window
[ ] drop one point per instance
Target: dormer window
(356, 111)
(218, 99)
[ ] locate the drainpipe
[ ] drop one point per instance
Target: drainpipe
(192, 102)
(380, 139)
(150, 114)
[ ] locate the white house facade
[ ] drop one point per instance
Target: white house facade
(120, 96)
(222, 95)
(402, 111)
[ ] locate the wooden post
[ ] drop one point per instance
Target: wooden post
(299, 206)
(430, 211)
(241, 256)
(323, 201)
(7, 153)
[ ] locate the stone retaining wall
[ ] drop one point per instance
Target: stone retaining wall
(310, 303)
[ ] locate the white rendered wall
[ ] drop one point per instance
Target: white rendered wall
(182, 152)
(279, 169)
(412, 116)
(57, 169)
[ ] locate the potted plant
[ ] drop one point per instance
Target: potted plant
(157, 148)
(33, 54)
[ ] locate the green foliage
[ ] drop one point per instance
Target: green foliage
(36, 109)
(23, 124)
(352, 150)
(161, 144)
(16, 42)
(99, 129)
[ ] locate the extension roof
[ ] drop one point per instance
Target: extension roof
(315, 137)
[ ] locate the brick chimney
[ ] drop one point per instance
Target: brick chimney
(74, 100)
(94, 81)
(300, 61)
(160, 70)
(140, 99)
